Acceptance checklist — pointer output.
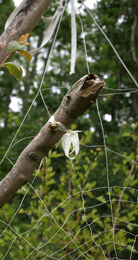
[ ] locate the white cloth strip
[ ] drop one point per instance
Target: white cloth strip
(14, 13)
(73, 38)
(51, 28)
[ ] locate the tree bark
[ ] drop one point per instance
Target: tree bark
(81, 95)
(23, 23)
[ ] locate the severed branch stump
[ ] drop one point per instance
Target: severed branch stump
(80, 96)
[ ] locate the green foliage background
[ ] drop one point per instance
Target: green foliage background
(55, 216)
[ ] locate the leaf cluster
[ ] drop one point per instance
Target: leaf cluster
(16, 46)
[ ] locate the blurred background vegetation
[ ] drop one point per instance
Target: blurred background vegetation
(101, 221)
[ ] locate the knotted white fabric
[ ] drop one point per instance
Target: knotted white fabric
(73, 38)
(69, 138)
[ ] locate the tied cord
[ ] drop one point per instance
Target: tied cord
(69, 138)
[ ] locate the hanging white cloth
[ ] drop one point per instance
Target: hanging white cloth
(14, 13)
(73, 38)
(51, 28)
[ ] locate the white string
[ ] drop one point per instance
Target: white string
(60, 228)
(39, 90)
(108, 183)
(83, 202)
(133, 246)
(114, 93)
(10, 161)
(85, 48)
(22, 200)
(119, 90)
(129, 73)
(126, 157)
(95, 220)
(102, 124)
(83, 208)
(11, 144)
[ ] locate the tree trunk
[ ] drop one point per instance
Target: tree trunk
(81, 95)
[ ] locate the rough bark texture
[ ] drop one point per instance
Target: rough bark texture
(81, 95)
(23, 23)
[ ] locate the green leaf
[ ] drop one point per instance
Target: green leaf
(15, 46)
(13, 69)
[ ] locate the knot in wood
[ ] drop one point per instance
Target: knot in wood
(33, 156)
(54, 126)
(21, 178)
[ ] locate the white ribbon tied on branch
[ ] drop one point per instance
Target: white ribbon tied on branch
(70, 138)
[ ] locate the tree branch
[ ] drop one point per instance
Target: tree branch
(81, 95)
(23, 23)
